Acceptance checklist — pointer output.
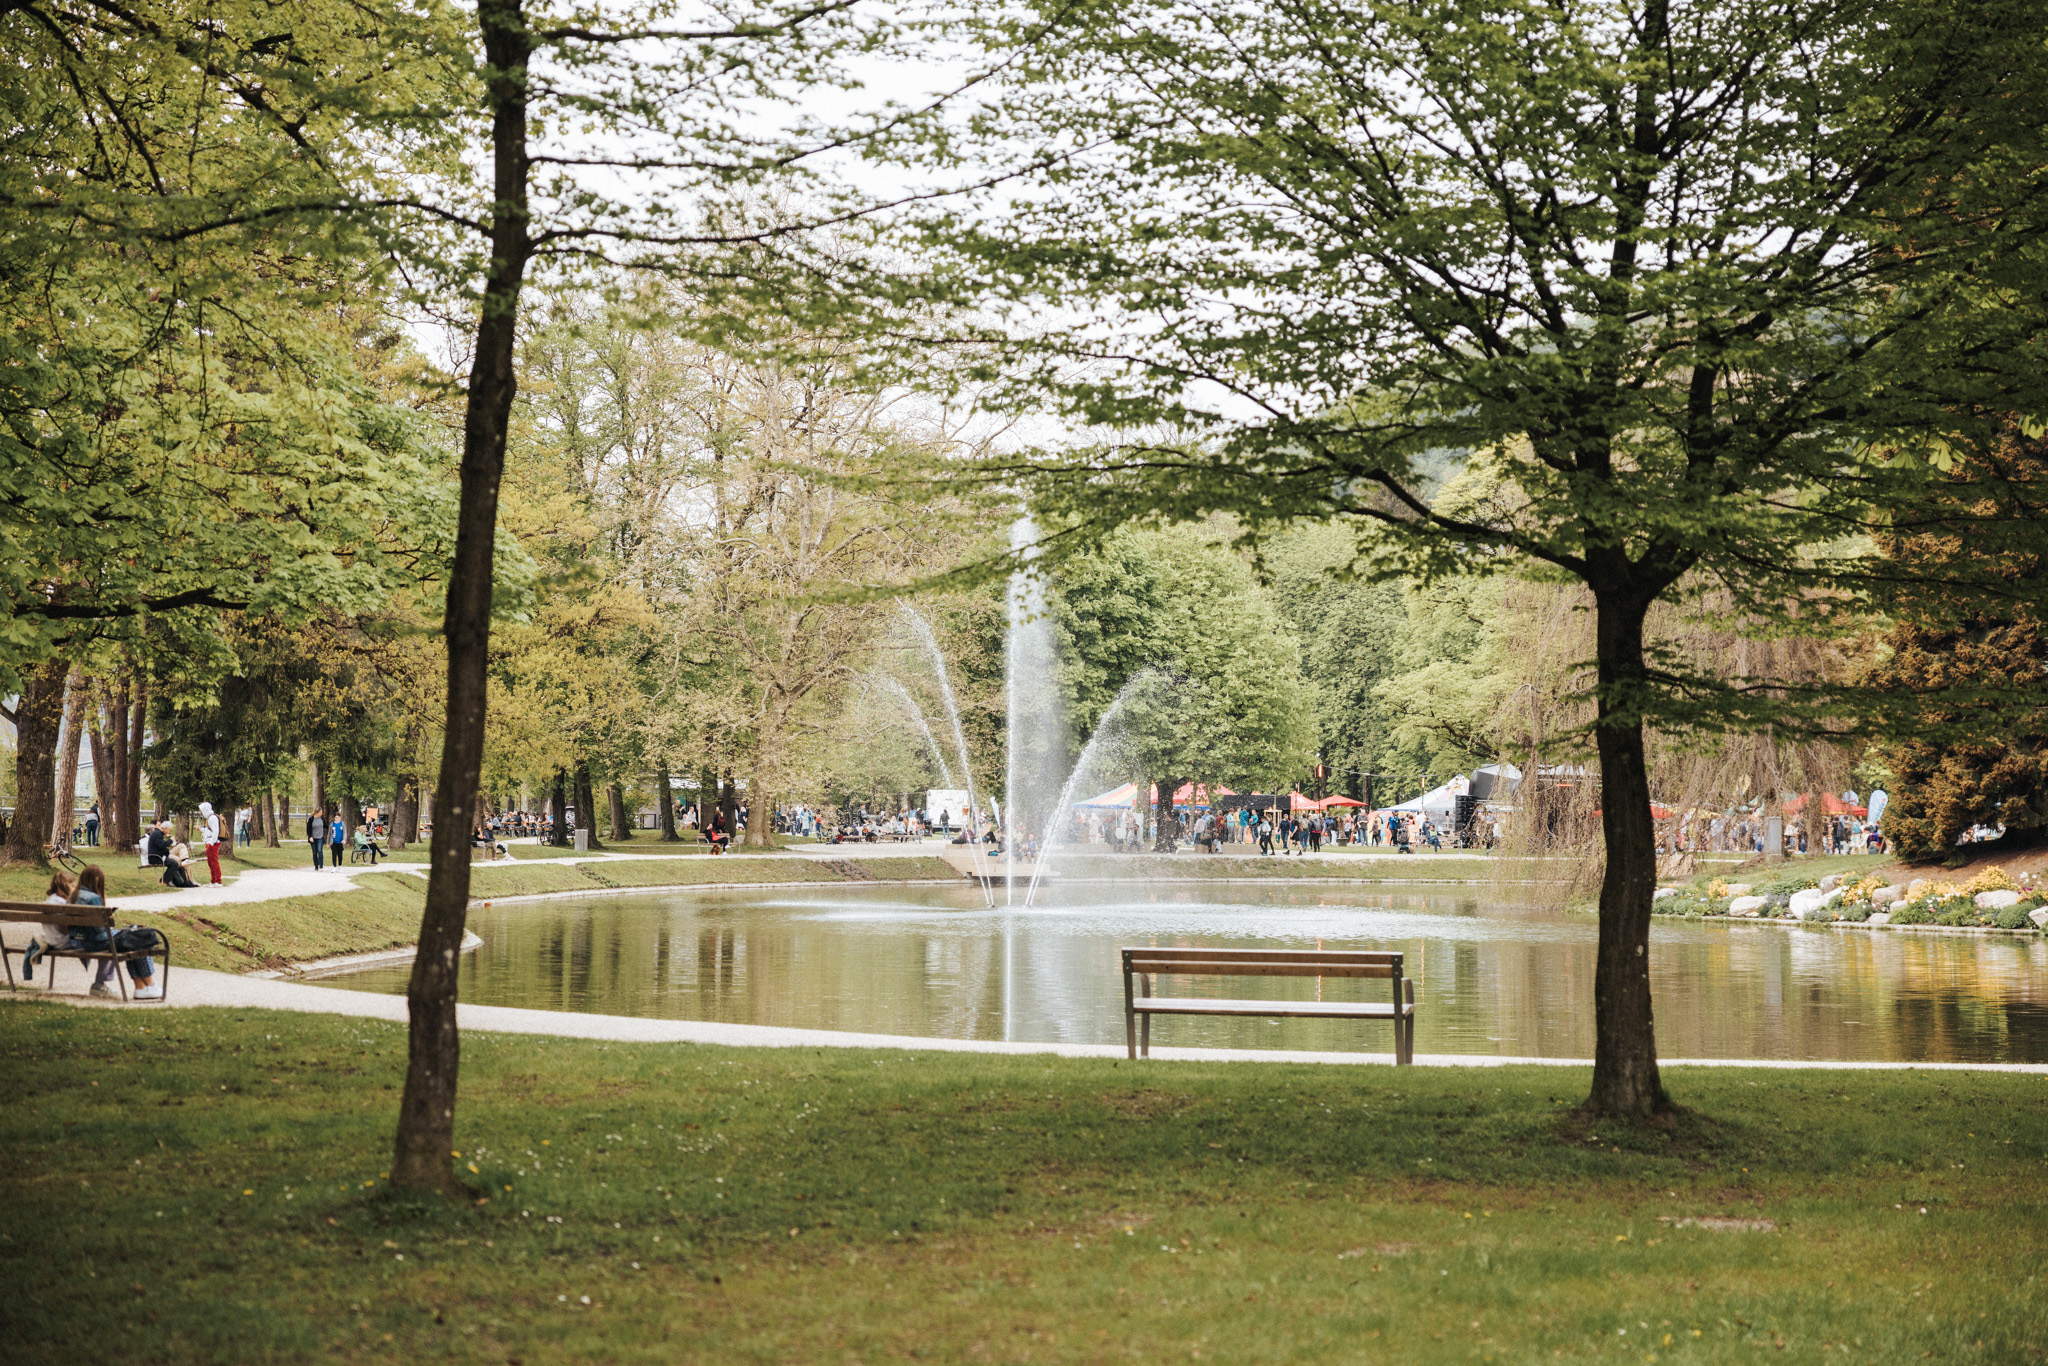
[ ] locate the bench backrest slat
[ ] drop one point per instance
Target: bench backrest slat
(50, 913)
(1176, 962)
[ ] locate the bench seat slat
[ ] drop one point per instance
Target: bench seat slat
(1335, 1010)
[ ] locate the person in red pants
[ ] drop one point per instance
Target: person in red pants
(212, 840)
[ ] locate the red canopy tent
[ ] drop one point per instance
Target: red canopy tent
(1830, 805)
(1329, 802)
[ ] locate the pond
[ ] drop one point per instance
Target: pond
(1492, 978)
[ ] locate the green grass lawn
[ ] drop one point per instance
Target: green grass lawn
(205, 1187)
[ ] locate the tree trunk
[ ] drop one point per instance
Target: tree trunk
(275, 814)
(103, 779)
(1625, 1079)
(558, 808)
(760, 816)
(616, 796)
(351, 814)
(38, 717)
(666, 802)
(421, 1159)
(586, 806)
(707, 795)
(75, 689)
(729, 804)
(1166, 828)
(405, 811)
(319, 788)
(131, 762)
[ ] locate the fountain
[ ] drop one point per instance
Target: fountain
(1105, 729)
(1036, 731)
(923, 631)
(923, 726)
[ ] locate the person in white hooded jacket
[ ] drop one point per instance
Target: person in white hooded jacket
(212, 840)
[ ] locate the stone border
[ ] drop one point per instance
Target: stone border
(352, 962)
(1782, 921)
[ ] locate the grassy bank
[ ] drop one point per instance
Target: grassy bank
(215, 1198)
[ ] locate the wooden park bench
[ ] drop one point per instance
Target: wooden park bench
(1142, 965)
(80, 917)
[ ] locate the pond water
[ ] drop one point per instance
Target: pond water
(1492, 978)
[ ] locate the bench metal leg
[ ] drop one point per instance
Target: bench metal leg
(1145, 1036)
(1131, 1032)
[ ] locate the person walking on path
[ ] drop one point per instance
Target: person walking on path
(337, 830)
(316, 833)
(92, 825)
(212, 835)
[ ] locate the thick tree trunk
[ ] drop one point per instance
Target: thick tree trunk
(1167, 829)
(615, 795)
(729, 804)
(760, 816)
(586, 806)
(422, 1158)
(405, 811)
(103, 782)
(1625, 1079)
(707, 795)
(279, 812)
(666, 802)
(558, 808)
(38, 717)
(61, 822)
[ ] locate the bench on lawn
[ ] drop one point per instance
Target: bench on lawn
(1142, 965)
(80, 917)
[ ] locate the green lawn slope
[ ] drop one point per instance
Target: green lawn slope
(207, 1187)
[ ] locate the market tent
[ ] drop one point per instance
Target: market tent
(1116, 797)
(1830, 805)
(1329, 802)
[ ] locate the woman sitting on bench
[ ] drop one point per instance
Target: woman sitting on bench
(63, 889)
(366, 844)
(174, 867)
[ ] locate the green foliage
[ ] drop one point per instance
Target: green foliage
(1330, 241)
(1967, 667)
(1912, 915)
(1218, 694)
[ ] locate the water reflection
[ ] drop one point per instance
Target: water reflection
(1492, 978)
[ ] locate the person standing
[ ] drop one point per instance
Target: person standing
(212, 837)
(337, 833)
(92, 824)
(316, 834)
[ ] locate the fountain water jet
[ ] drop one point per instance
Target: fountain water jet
(1036, 736)
(1105, 728)
(923, 726)
(923, 631)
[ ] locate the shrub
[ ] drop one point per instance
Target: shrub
(1992, 879)
(2013, 918)
(1785, 883)
(1911, 915)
